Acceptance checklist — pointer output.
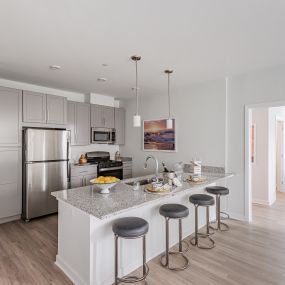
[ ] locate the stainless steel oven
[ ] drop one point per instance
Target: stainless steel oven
(103, 135)
(116, 171)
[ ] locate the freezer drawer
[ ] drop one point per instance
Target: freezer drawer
(46, 145)
(41, 180)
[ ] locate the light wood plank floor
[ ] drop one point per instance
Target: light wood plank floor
(247, 254)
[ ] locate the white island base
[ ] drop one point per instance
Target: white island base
(86, 243)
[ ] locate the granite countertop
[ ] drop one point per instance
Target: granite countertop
(122, 197)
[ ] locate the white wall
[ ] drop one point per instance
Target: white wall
(266, 86)
(200, 119)
(260, 168)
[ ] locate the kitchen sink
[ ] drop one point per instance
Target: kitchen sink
(143, 181)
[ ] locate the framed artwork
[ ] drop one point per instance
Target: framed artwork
(253, 143)
(156, 137)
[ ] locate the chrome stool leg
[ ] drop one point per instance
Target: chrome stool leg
(220, 225)
(179, 252)
(195, 240)
(131, 279)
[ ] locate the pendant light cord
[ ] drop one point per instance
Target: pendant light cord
(137, 96)
(168, 96)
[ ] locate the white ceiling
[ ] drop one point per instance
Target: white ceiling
(199, 39)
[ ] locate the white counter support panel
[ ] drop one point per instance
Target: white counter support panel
(86, 243)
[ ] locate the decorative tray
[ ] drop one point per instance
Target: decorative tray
(158, 190)
(197, 180)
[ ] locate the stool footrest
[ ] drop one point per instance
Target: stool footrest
(225, 216)
(134, 279)
(215, 228)
(186, 264)
(205, 236)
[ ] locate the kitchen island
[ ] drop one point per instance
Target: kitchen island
(85, 218)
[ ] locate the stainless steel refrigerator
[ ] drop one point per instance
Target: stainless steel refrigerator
(46, 154)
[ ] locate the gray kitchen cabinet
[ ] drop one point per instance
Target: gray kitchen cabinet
(44, 109)
(71, 118)
(10, 112)
(109, 117)
(120, 125)
(56, 110)
(76, 181)
(127, 169)
(82, 124)
(81, 175)
(97, 117)
(78, 122)
(10, 182)
(102, 116)
(34, 107)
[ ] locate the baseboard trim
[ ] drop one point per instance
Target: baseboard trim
(69, 272)
(261, 202)
(236, 216)
(10, 219)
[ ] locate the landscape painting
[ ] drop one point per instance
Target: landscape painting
(156, 136)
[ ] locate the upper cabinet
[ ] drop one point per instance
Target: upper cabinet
(78, 122)
(44, 109)
(56, 110)
(109, 117)
(34, 107)
(102, 116)
(120, 125)
(10, 111)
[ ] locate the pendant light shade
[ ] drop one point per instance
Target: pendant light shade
(137, 121)
(137, 117)
(169, 122)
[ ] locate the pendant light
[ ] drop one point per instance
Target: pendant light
(137, 117)
(169, 122)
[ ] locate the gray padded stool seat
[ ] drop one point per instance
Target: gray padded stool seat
(219, 191)
(174, 211)
(177, 212)
(130, 228)
(204, 201)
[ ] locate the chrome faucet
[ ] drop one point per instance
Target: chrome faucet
(156, 165)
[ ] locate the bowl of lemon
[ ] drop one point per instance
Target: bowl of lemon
(104, 183)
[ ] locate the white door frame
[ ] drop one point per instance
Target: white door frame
(280, 119)
(247, 167)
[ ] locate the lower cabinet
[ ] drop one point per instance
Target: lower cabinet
(10, 184)
(81, 175)
(127, 169)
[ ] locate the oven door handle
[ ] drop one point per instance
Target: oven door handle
(110, 168)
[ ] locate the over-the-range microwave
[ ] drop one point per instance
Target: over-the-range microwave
(103, 135)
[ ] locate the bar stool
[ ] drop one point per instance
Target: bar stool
(205, 201)
(130, 228)
(177, 212)
(219, 191)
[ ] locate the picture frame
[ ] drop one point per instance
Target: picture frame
(156, 137)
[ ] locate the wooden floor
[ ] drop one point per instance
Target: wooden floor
(247, 254)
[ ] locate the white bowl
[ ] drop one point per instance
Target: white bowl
(104, 187)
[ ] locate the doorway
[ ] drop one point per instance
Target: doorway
(264, 157)
(279, 153)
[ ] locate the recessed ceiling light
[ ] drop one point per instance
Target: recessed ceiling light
(102, 79)
(104, 64)
(54, 67)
